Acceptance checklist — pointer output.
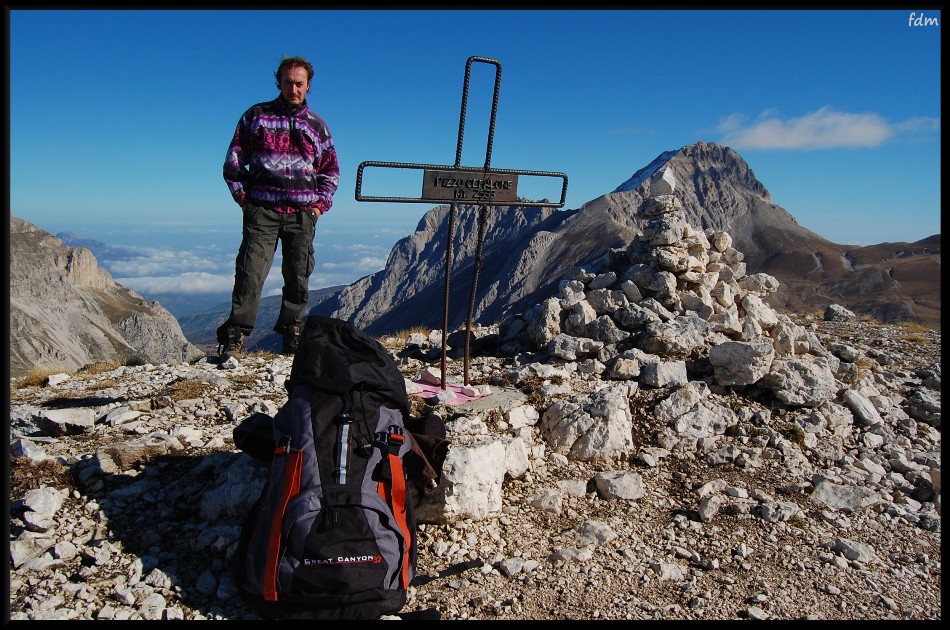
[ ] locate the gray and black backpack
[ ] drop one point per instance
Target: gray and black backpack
(333, 534)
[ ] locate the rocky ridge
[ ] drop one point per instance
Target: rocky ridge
(66, 311)
(657, 444)
(528, 250)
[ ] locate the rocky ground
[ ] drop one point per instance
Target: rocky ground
(700, 543)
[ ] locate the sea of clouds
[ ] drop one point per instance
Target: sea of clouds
(188, 269)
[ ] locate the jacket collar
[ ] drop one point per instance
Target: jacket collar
(286, 108)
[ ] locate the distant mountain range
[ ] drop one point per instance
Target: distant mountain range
(527, 251)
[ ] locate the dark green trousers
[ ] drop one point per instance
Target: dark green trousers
(263, 228)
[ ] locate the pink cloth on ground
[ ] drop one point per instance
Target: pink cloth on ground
(430, 390)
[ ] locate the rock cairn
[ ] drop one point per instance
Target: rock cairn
(657, 443)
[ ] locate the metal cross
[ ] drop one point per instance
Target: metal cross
(472, 185)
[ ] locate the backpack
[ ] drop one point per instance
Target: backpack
(333, 533)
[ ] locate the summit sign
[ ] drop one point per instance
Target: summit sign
(464, 186)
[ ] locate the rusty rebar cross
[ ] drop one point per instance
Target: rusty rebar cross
(472, 185)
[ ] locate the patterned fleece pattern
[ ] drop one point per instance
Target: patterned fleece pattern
(282, 158)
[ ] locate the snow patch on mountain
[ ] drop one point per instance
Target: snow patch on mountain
(646, 172)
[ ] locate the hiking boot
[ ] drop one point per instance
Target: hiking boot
(291, 337)
(233, 346)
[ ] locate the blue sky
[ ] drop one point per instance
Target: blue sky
(119, 119)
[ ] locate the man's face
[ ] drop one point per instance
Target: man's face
(294, 85)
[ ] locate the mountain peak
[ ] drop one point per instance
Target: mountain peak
(717, 163)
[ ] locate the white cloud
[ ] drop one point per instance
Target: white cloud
(187, 282)
(731, 123)
(919, 128)
(919, 124)
(370, 264)
(360, 265)
(162, 262)
(162, 271)
(358, 247)
(821, 129)
(386, 233)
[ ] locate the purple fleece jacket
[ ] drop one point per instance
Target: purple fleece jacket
(282, 158)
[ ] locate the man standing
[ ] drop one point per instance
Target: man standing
(282, 170)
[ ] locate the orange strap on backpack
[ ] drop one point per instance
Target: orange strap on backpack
(397, 496)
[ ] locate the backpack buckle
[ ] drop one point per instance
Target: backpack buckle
(283, 445)
(344, 418)
(395, 439)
